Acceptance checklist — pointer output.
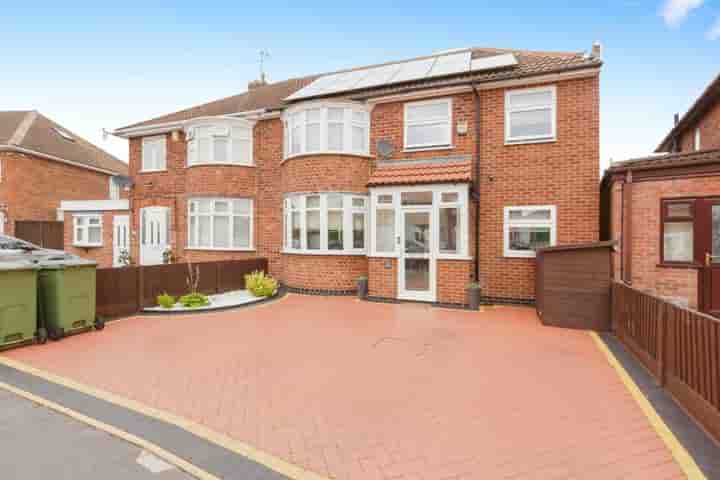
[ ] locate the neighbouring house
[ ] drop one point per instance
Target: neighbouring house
(664, 211)
(43, 163)
(422, 174)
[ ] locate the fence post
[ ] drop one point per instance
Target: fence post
(661, 343)
(140, 287)
(218, 276)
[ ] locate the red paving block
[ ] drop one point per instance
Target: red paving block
(357, 390)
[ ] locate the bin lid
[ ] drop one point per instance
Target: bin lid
(62, 262)
(16, 266)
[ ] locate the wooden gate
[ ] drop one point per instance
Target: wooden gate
(45, 234)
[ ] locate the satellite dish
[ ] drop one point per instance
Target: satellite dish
(385, 148)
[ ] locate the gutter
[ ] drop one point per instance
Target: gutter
(476, 183)
(15, 148)
(156, 128)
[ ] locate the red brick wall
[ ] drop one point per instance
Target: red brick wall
(102, 255)
(709, 131)
(382, 279)
(564, 173)
(388, 124)
(679, 283)
(453, 277)
(325, 173)
(323, 272)
(32, 187)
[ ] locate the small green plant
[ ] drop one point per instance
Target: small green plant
(260, 285)
(165, 300)
(361, 278)
(474, 285)
(125, 259)
(194, 300)
(168, 256)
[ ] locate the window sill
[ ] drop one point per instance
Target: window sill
(383, 255)
(519, 255)
(444, 256)
(320, 154)
(324, 252)
(220, 164)
(693, 266)
(87, 245)
(529, 141)
(429, 148)
(209, 249)
(153, 171)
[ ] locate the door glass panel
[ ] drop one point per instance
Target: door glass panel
(716, 233)
(417, 274)
(417, 232)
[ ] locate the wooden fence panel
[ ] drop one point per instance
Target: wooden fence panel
(126, 291)
(117, 291)
(681, 347)
(45, 234)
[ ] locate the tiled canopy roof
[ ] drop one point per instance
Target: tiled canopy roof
(270, 97)
(30, 130)
(456, 172)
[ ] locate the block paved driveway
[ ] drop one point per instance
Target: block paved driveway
(357, 390)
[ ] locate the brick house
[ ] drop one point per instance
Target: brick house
(422, 174)
(43, 163)
(664, 210)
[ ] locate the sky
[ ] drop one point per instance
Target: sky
(103, 65)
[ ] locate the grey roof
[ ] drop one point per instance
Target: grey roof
(31, 130)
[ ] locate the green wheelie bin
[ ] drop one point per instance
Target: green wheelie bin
(67, 297)
(18, 303)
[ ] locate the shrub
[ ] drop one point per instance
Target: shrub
(260, 285)
(194, 300)
(165, 300)
(474, 285)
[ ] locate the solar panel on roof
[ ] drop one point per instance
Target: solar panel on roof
(439, 65)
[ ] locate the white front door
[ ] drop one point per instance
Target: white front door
(2, 222)
(121, 239)
(416, 265)
(154, 239)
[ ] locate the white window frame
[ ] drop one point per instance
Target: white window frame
(219, 127)
(298, 113)
(113, 189)
(150, 141)
(347, 225)
(86, 227)
(437, 190)
(431, 121)
(510, 140)
(696, 139)
(212, 214)
(507, 223)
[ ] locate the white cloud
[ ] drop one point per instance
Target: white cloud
(675, 11)
(714, 32)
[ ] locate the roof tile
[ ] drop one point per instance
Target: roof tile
(460, 172)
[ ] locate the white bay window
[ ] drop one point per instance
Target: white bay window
(220, 223)
(323, 127)
(225, 141)
(325, 223)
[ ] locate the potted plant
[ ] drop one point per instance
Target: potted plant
(473, 290)
(362, 287)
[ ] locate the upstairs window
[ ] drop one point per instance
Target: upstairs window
(530, 115)
(327, 128)
(114, 189)
(677, 239)
(154, 154)
(221, 143)
(87, 230)
(527, 229)
(428, 124)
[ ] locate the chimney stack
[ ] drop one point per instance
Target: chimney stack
(253, 84)
(596, 50)
(676, 119)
